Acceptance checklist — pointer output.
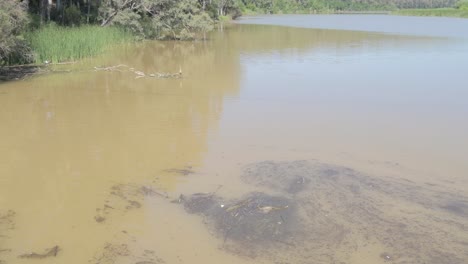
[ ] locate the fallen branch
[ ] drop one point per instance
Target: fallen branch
(23, 72)
(110, 68)
(140, 74)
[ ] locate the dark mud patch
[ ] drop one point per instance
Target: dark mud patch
(255, 223)
(311, 212)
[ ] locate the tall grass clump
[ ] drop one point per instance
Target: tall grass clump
(59, 44)
(435, 12)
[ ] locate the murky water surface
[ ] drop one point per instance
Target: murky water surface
(281, 144)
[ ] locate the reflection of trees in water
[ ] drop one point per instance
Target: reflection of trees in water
(94, 127)
(68, 138)
(110, 123)
(109, 117)
(266, 38)
(186, 108)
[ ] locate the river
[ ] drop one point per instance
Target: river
(94, 161)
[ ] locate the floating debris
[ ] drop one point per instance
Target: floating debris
(52, 252)
(99, 218)
(386, 256)
(182, 171)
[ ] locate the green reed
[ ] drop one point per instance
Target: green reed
(59, 44)
(440, 12)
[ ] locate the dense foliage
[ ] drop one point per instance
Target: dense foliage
(435, 12)
(462, 5)
(138, 14)
(459, 10)
(13, 19)
(311, 6)
(179, 19)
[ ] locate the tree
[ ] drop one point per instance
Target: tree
(13, 19)
(462, 5)
(161, 19)
(182, 19)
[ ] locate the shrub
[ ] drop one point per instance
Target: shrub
(462, 5)
(13, 19)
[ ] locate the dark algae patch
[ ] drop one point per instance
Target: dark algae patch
(311, 212)
(255, 218)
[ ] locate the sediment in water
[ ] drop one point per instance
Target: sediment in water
(311, 211)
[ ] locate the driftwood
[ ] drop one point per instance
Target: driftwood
(140, 74)
(52, 252)
(111, 68)
(22, 72)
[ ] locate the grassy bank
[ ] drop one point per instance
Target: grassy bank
(58, 44)
(437, 12)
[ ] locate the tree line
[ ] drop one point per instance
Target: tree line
(162, 19)
(311, 6)
(108, 12)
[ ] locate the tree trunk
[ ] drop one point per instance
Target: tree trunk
(109, 19)
(41, 11)
(89, 11)
(49, 6)
(59, 8)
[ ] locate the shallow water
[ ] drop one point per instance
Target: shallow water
(90, 160)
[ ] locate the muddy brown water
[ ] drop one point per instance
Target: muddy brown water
(288, 144)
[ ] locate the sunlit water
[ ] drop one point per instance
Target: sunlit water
(389, 100)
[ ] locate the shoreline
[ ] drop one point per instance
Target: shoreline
(433, 12)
